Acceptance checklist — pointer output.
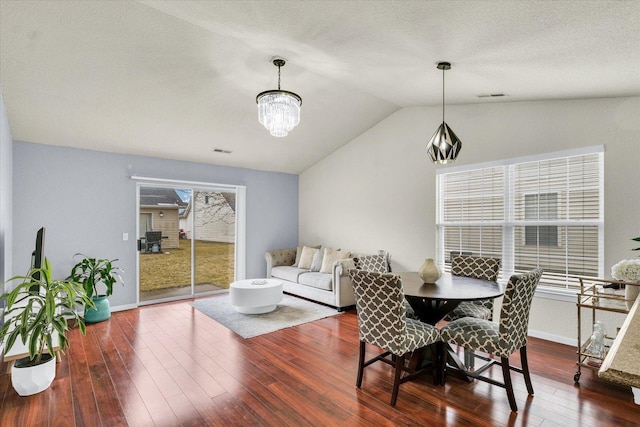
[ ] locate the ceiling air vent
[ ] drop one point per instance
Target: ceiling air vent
(491, 95)
(221, 151)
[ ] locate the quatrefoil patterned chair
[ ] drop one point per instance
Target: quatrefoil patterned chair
(380, 264)
(382, 322)
(479, 268)
(373, 263)
(501, 339)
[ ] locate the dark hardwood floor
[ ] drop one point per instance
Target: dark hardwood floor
(169, 364)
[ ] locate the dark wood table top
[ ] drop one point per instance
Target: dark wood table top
(450, 287)
(431, 302)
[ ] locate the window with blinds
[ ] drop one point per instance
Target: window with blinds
(546, 213)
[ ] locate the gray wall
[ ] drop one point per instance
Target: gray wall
(86, 200)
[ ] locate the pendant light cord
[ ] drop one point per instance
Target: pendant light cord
(443, 94)
(279, 77)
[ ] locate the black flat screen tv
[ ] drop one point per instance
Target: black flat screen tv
(37, 256)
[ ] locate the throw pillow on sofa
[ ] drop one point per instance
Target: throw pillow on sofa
(331, 256)
(306, 257)
(299, 253)
(316, 264)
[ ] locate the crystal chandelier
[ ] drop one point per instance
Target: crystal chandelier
(278, 110)
(444, 145)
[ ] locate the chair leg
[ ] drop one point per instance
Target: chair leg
(525, 369)
(506, 372)
(438, 365)
(469, 358)
(360, 364)
(396, 379)
(444, 354)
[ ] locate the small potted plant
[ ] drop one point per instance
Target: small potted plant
(90, 272)
(38, 311)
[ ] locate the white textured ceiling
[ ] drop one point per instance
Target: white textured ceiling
(175, 79)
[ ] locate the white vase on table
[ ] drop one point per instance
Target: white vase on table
(429, 271)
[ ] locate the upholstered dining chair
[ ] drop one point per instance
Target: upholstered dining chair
(501, 339)
(373, 263)
(380, 264)
(382, 322)
(479, 268)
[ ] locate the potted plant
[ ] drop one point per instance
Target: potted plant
(90, 272)
(38, 311)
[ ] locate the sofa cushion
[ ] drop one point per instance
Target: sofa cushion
(331, 256)
(299, 253)
(286, 272)
(316, 280)
(307, 257)
(316, 264)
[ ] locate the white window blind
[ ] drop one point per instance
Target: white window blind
(544, 213)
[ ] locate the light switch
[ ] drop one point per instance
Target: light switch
(125, 236)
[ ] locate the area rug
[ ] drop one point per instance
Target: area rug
(291, 311)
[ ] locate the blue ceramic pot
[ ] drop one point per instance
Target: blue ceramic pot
(100, 313)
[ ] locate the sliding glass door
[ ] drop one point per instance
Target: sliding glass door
(214, 225)
(188, 240)
(164, 256)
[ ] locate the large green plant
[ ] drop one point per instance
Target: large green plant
(637, 239)
(40, 307)
(92, 271)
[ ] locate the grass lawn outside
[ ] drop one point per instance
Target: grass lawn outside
(214, 264)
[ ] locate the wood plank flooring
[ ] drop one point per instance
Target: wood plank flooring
(170, 365)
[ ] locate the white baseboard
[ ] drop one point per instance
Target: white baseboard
(554, 338)
(124, 307)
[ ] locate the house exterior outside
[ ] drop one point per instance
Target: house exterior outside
(160, 211)
(214, 217)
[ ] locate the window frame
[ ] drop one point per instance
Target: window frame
(509, 224)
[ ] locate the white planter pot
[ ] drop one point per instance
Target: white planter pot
(33, 379)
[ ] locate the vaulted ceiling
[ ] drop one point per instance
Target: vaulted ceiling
(177, 79)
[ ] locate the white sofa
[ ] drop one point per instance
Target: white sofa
(334, 289)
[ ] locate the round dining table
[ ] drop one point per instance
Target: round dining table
(433, 301)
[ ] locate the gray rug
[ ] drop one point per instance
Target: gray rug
(291, 311)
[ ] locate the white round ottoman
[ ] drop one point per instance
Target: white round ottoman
(255, 296)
